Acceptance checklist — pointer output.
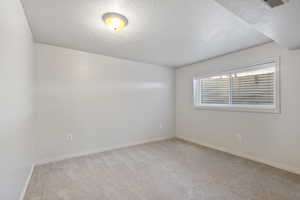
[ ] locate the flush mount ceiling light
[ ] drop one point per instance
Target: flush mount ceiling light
(115, 21)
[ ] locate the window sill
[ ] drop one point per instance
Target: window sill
(239, 108)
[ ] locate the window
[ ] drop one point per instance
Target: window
(250, 89)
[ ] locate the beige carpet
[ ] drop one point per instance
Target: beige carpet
(167, 170)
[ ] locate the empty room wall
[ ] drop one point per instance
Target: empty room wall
(270, 138)
(16, 84)
(103, 102)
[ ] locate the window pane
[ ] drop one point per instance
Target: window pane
(249, 88)
(214, 90)
(255, 87)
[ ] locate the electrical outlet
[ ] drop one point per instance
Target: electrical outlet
(160, 125)
(239, 138)
(69, 137)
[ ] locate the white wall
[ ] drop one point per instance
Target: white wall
(270, 138)
(16, 138)
(103, 101)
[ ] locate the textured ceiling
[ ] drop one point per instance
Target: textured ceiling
(281, 23)
(164, 32)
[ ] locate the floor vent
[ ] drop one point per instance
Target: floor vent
(275, 3)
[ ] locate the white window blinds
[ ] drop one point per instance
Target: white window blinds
(249, 87)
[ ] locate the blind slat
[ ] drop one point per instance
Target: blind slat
(253, 87)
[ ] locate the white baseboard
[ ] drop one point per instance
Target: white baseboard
(282, 166)
(99, 150)
(26, 183)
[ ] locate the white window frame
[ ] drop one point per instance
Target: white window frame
(244, 108)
